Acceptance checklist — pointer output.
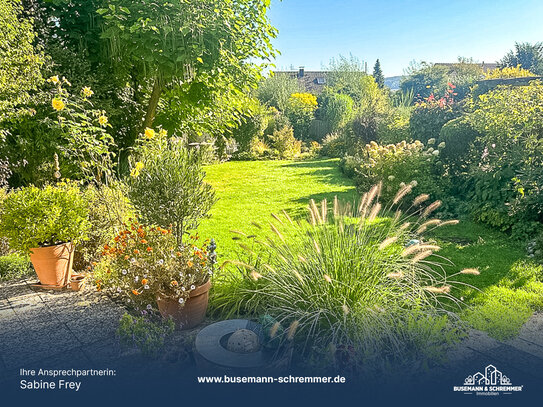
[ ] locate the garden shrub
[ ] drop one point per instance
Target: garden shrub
(145, 334)
(109, 209)
(346, 278)
(14, 266)
(335, 109)
(276, 90)
(431, 114)
(33, 217)
(394, 126)
(334, 145)
(284, 144)
(276, 122)
(506, 171)
(363, 129)
(395, 165)
(318, 129)
(458, 136)
(252, 126)
(300, 110)
(508, 72)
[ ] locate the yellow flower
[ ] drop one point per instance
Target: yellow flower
(163, 133)
(54, 79)
(102, 120)
(136, 170)
(149, 133)
(58, 104)
(87, 91)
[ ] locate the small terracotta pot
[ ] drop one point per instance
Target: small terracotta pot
(77, 282)
(53, 264)
(192, 313)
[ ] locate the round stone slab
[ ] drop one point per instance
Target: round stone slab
(211, 344)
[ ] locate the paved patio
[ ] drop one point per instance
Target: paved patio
(66, 329)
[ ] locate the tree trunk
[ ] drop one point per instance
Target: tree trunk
(153, 103)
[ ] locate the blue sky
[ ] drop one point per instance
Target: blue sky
(399, 31)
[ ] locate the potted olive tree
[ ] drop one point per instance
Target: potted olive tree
(46, 223)
(167, 188)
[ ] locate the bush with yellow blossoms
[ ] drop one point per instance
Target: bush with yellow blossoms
(143, 263)
(85, 128)
(300, 110)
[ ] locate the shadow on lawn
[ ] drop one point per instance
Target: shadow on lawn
(469, 245)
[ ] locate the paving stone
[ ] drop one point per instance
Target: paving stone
(90, 329)
(16, 289)
(34, 343)
(103, 352)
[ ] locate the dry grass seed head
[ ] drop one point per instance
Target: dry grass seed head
(421, 256)
(276, 231)
(274, 329)
(401, 193)
(255, 275)
(420, 199)
(374, 211)
(471, 271)
(430, 208)
(387, 242)
(292, 330)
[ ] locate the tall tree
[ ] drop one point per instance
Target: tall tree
(20, 63)
(528, 56)
(207, 44)
(378, 74)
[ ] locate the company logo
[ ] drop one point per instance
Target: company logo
(491, 383)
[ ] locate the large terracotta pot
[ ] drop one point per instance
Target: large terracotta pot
(194, 310)
(53, 264)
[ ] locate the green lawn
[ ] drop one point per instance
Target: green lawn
(250, 191)
(508, 290)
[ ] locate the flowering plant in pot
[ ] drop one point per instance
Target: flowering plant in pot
(46, 223)
(145, 266)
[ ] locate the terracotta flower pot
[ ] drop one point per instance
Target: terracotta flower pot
(77, 282)
(53, 264)
(192, 313)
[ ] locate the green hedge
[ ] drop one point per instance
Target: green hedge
(14, 266)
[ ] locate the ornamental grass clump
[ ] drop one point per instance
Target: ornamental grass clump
(360, 276)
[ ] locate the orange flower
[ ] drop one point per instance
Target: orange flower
(178, 254)
(149, 249)
(143, 241)
(117, 238)
(190, 263)
(174, 283)
(135, 292)
(126, 257)
(144, 281)
(136, 251)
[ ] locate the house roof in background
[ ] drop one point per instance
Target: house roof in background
(311, 81)
(486, 66)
